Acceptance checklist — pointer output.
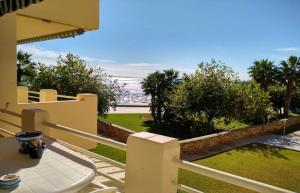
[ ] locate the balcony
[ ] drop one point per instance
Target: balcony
(69, 124)
(154, 170)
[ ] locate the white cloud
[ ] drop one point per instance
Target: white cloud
(244, 76)
(114, 68)
(139, 69)
(96, 60)
(288, 49)
(142, 65)
(278, 58)
(49, 57)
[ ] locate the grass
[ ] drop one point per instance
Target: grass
(233, 124)
(144, 122)
(268, 164)
(293, 114)
(134, 122)
(110, 152)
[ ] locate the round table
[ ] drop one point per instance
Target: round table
(59, 170)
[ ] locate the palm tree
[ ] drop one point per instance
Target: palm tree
(264, 72)
(25, 66)
(160, 85)
(290, 73)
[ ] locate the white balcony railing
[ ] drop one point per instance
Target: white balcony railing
(230, 178)
(202, 170)
(95, 138)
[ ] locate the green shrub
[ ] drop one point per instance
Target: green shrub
(71, 76)
(249, 103)
(214, 92)
(203, 96)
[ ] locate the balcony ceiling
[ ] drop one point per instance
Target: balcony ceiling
(51, 19)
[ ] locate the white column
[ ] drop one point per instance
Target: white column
(150, 163)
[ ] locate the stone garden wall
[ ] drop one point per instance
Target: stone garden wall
(201, 144)
(112, 131)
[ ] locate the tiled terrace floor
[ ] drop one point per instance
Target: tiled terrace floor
(102, 180)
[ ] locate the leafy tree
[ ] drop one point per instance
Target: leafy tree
(160, 85)
(72, 75)
(290, 74)
(45, 78)
(203, 95)
(25, 67)
(264, 72)
(249, 103)
(277, 94)
(295, 103)
(214, 92)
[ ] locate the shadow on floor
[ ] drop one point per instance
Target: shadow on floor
(177, 130)
(267, 151)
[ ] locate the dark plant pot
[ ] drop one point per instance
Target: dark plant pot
(23, 147)
(25, 138)
(36, 152)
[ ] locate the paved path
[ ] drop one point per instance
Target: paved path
(290, 141)
(125, 110)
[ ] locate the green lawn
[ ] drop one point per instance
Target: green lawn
(293, 114)
(144, 122)
(272, 165)
(233, 124)
(110, 152)
(134, 122)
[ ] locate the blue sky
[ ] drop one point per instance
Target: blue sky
(139, 36)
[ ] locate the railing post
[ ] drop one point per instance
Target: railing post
(48, 95)
(150, 163)
(22, 94)
(33, 119)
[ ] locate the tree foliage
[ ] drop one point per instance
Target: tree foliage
(72, 75)
(295, 103)
(203, 96)
(25, 67)
(160, 85)
(215, 92)
(287, 74)
(264, 72)
(290, 74)
(277, 95)
(249, 103)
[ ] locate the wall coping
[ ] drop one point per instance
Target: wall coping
(235, 130)
(117, 126)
